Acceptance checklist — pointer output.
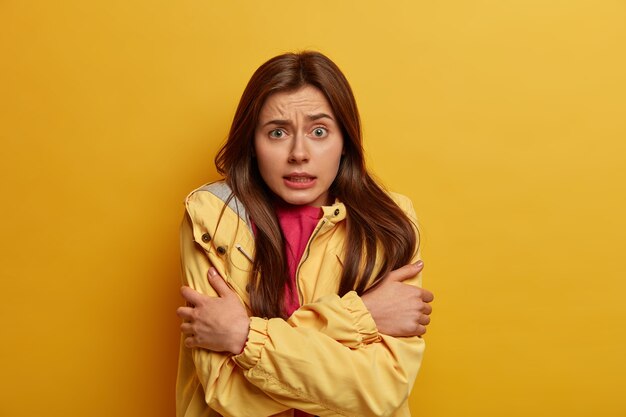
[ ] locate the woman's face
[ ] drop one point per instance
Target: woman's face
(298, 146)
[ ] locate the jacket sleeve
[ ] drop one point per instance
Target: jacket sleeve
(224, 385)
(310, 371)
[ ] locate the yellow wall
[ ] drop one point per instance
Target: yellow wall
(504, 121)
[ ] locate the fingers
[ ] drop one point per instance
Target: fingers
(185, 313)
(190, 342)
(427, 296)
(192, 296)
(422, 305)
(190, 338)
(218, 283)
(426, 309)
(406, 272)
(187, 329)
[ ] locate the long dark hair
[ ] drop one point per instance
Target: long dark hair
(376, 228)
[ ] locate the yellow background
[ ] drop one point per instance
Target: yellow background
(504, 121)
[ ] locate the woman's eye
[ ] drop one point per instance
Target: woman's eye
(320, 132)
(277, 134)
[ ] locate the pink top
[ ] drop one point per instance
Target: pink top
(297, 223)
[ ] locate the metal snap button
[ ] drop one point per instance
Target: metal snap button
(206, 238)
(336, 212)
(221, 250)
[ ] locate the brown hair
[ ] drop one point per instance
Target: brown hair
(373, 219)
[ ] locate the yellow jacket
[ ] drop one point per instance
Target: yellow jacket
(327, 359)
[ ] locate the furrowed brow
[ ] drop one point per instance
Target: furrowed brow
(313, 117)
(279, 122)
(286, 122)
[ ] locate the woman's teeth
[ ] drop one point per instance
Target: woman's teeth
(299, 179)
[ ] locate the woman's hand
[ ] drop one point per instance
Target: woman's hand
(218, 323)
(400, 309)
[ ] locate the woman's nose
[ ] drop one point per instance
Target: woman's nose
(299, 152)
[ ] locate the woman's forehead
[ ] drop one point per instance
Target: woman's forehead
(308, 101)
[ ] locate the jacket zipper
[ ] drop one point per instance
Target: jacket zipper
(305, 257)
(243, 252)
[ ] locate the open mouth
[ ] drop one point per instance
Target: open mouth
(299, 179)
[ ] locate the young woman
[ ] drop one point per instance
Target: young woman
(301, 272)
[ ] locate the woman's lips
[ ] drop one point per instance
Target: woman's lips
(299, 181)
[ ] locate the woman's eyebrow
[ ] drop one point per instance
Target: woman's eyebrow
(318, 116)
(287, 122)
(280, 122)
